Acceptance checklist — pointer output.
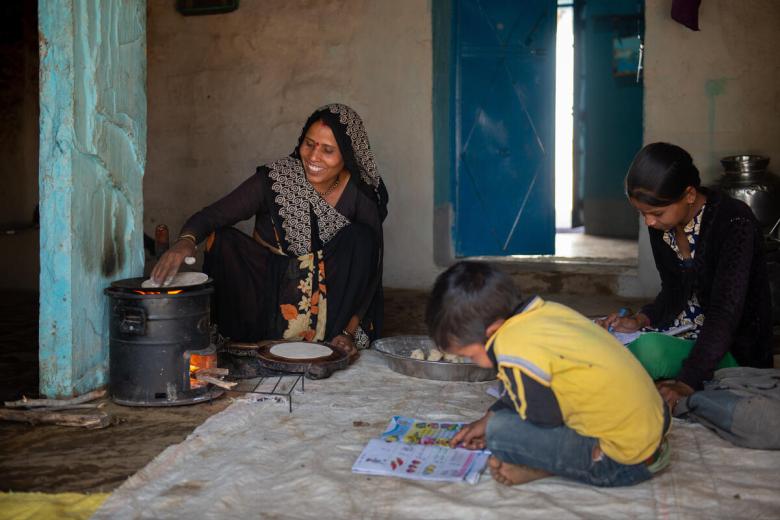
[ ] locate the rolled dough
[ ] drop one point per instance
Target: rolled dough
(301, 350)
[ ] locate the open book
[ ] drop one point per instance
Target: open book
(627, 337)
(419, 450)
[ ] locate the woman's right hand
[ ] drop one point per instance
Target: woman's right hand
(472, 435)
(168, 264)
(620, 323)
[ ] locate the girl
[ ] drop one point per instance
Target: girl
(708, 251)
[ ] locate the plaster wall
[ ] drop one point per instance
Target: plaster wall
(230, 92)
(92, 156)
(715, 92)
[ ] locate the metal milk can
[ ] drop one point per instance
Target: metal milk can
(745, 177)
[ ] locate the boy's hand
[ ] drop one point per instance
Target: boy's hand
(472, 436)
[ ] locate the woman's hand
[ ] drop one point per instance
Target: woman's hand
(624, 323)
(472, 436)
(168, 264)
(672, 391)
(347, 345)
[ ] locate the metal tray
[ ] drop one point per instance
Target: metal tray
(397, 349)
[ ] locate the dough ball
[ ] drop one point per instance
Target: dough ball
(435, 355)
(452, 358)
(417, 353)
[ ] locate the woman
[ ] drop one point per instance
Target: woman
(708, 251)
(313, 268)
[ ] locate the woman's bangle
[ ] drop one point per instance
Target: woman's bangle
(190, 237)
(348, 334)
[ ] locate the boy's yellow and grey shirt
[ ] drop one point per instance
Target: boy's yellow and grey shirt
(557, 366)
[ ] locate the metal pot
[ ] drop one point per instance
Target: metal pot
(745, 177)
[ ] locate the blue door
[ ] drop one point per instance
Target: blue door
(504, 113)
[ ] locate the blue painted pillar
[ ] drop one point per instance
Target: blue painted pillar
(92, 158)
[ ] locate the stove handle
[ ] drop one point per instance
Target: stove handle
(132, 320)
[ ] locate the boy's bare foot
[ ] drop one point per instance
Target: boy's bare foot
(513, 474)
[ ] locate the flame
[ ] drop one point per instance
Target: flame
(198, 361)
(158, 292)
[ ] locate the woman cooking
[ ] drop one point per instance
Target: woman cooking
(708, 251)
(313, 268)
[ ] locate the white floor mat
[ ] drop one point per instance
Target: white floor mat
(256, 460)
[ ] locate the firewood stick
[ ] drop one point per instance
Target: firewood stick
(213, 371)
(55, 403)
(90, 421)
(87, 406)
(214, 381)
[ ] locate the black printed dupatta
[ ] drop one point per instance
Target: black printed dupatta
(310, 229)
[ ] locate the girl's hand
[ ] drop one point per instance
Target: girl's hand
(624, 323)
(673, 391)
(472, 436)
(347, 345)
(168, 264)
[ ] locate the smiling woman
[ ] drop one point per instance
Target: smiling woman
(313, 268)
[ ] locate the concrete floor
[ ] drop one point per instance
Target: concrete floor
(578, 245)
(58, 459)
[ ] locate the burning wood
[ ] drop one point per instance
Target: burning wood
(200, 376)
(214, 371)
(204, 370)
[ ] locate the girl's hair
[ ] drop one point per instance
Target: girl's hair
(660, 173)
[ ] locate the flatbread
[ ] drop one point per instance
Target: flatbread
(182, 279)
(301, 350)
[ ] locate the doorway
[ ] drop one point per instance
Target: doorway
(549, 183)
(598, 127)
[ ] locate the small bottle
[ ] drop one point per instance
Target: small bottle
(161, 240)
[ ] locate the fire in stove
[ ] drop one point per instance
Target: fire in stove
(203, 363)
(176, 291)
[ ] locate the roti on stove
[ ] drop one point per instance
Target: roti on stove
(181, 279)
(301, 350)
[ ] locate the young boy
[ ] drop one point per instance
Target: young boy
(575, 402)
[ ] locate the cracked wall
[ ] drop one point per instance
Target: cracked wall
(92, 158)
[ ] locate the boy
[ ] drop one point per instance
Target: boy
(575, 402)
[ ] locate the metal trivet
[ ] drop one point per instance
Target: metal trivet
(274, 386)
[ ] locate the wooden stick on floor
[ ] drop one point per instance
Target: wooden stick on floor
(55, 403)
(90, 421)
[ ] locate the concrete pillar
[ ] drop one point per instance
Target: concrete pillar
(92, 158)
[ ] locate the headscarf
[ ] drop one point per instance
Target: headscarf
(351, 136)
(297, 198)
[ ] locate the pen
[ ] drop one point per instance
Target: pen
(622, 313)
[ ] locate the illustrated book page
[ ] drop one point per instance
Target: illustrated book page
(419, 450)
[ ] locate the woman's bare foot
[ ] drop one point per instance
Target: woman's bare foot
(513, 474)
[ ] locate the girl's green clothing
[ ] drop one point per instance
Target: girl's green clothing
(663, 355)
